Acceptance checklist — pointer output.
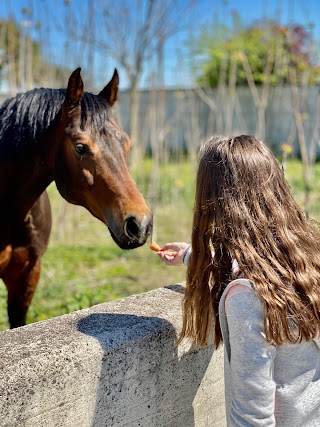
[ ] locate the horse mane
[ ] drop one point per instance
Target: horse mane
(25, 118)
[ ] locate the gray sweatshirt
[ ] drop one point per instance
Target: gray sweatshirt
(266, 384)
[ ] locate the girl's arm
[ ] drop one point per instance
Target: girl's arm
(252, 361)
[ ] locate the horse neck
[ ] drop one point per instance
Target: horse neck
(27, 142)
(26, 179)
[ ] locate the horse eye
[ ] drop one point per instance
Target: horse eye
(82, 148)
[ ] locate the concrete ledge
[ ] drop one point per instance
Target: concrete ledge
(112, 365)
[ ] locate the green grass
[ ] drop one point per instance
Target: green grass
(83, 266)
(294, 177)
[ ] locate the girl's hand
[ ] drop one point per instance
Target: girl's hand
(173, 253)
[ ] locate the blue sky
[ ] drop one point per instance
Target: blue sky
(52, 13)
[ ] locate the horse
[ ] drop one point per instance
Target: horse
(70, 137)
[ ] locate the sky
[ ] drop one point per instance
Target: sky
(176, 69)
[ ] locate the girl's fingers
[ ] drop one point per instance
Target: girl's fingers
(171, 246)
(167, 256)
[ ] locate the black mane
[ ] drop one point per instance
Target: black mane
(25, 118)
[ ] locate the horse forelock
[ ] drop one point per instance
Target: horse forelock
(95, 113)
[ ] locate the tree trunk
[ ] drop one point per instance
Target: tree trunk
(11, 59)
(136, 151)
(306, 164)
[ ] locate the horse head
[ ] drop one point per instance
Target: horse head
(90, 165)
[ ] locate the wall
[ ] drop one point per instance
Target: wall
(187, 116)
(114, 364)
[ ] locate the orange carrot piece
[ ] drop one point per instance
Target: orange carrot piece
(155, 247)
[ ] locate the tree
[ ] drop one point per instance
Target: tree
(135, 34)
(264, 55)
(264, 45)
(300, 76)
(21, 62)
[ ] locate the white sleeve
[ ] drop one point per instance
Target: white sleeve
(251, 362)
(186, 255)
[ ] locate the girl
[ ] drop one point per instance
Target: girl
(253, 277)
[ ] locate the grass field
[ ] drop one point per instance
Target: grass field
(83, 266)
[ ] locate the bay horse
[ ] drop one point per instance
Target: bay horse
(71, 137)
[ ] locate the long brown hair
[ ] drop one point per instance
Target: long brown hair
(244, 210)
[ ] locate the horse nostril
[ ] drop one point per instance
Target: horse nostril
(131, 227)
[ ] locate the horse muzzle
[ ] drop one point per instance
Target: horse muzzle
(133, 233)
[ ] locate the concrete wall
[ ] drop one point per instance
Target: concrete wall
(188, 116)
(114, 364)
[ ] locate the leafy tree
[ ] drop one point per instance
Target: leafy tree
(284, 46)
(12, 41)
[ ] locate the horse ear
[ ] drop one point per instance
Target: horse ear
(75, 88)
(110, 92)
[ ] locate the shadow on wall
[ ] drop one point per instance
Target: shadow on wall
(144, 380)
